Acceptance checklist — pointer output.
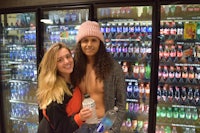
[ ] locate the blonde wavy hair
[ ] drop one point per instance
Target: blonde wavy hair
(51, 86)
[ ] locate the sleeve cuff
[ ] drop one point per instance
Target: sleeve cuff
(78, 120)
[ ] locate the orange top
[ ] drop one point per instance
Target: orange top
(72, 107)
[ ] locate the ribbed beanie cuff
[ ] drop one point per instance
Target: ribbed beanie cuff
(89, 28)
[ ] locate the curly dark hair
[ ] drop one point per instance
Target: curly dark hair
(102, 65)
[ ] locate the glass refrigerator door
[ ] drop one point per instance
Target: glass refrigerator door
(61, 26)
(178, 91)
(128, 34)
(18, 72)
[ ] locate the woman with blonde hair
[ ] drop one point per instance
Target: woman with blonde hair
(58, 99)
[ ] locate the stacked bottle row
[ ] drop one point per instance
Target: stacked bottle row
(22, 53)
(23, 127)
(143, 12)
(136, 108)
(63, 17)
(66, 34)
(24, 71)
(134, 126)
(184, 95)
(139, 92)
(179, 74)
(185, 52)
(180, 30)
(129, 50)
(132, 31)
(137, 71)
(24, 111)
(166, 129)
(22, 91)
(26, 36)
(178, 11)
(20, 20)
(186, 115)
(174, 129)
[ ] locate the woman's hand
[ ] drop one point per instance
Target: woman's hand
(85, 113)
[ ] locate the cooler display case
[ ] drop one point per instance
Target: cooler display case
(18, 72)
(128, 33)
(61, 25)
(178, 92)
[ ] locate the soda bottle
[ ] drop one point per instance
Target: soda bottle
(165, 73)
(174, 130)
(141, 71)
(147, 71)
(129, 90)
(164, 94)
(107, 121)
(159, 98)
(175, 114)
(171, 73)
(161, 53)
(169, 114)
(170, 94)
(178, 74)
(191, 74)
(88, 102)
(177, 95)
(190, 95)
(196, 99)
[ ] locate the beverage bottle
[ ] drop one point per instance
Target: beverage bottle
(88, 102)
(164, 94)
(196, 98)
(174, 130)
(190, 95)
(177, 94)
(179, 51)
(159, 98)
(107, 121)
(178, 73)
(129, 90)
(142, 71)
(147, 71)
(169, 114)
(170, 94)
(160, 76)
(171, 73)
(191, 74)
(165, 73)
(142, 92)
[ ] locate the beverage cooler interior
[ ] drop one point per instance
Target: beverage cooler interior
(128, 35)
(62, 26)
(178, 92)
(18, 72)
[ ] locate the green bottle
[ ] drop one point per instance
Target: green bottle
(147, 71)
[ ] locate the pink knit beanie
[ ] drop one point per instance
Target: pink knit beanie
(89, 28)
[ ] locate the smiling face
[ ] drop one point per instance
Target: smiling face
(65, 62)
(90, 46)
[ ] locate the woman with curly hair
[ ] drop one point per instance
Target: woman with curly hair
(96, 73)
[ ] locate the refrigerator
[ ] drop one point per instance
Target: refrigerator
(24, 38)
(128, 38)
(18, 72)
(61, 24)
(178, 91)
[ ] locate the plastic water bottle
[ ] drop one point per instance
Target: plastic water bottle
(107, 121)
(88, 102)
